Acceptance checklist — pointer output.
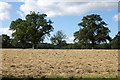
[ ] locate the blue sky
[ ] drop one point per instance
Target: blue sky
(65, 15)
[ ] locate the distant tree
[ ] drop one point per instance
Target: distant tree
(0, 41)
(115, 43)
(31, 30)
(58, 38)
(92, 31)
(6, 41)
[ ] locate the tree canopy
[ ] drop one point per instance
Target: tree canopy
(92, 31)
(31, 30)
(115, 43)
(6, 41)
(58, 38)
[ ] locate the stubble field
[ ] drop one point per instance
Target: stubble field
(49, 62)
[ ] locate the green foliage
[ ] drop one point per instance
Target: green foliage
(31, 30)
(104, 46)
(58, 39)
(46, 46)
(16, 44)
(51, 46)
(61, 78)
(68, 46)
(92, 31)
(0, 41)
(115, 43)
(6, 41)
(82, 46)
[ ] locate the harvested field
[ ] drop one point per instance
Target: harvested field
(39, 62)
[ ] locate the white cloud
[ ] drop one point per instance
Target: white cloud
(69, 39)
(64, 8)
(5, 31)
(116, 17)
(66, 0)
(4, 11)
(21, 14)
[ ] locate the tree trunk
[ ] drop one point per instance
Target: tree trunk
(93, 44)
(33, 46)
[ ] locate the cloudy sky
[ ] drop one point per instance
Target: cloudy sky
(65, 14)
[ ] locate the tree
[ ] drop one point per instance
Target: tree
(0, 41)
(115, 43)
(58, 38)
(6, 43)
(31, 30)
(21, 35)
(92, 31)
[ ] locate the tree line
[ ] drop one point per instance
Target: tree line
(31, 32)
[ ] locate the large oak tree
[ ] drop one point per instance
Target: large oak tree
(31, 30)
(92, 31)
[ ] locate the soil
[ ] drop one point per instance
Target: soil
(55, 62)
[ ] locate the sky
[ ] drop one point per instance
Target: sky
(65, 14)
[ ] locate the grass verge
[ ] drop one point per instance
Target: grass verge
(62, 78)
